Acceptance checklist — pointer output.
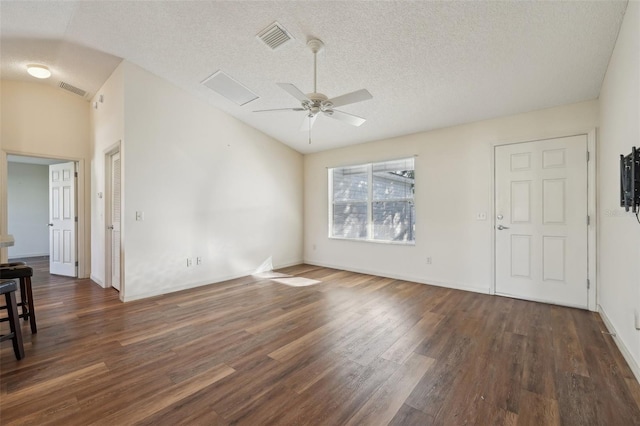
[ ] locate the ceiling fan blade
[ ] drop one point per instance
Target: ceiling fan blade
(354, 120)
(351, 98)
(307, 124)
(280, 109)
(294, 91)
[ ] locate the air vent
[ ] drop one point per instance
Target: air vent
(275, 36)
(229, 88)
(72, 89)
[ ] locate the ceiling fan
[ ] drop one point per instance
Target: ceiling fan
(315, 103)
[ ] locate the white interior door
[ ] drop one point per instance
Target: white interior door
(62, 219)
(114, 215)
(541, 220)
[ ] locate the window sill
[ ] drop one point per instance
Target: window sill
(363, 240)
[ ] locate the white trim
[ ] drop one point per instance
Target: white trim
(410, 278)
(591, 209)
(364, 240)
(633, 365)
(108, 153)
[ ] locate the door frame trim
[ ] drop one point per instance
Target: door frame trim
(592, 254)
(81, 231)
(108, 152)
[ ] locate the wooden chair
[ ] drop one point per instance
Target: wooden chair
(8, 288)
(23, 273)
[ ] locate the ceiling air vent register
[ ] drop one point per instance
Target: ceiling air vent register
(230, 88)
(275, 36)
(72, 89)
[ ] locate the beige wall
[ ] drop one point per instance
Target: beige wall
(44, 121)
(209, 186)
(619, 232)
(453, 184)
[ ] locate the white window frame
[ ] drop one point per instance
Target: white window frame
(369, 202)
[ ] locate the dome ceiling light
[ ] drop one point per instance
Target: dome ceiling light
(38, 71)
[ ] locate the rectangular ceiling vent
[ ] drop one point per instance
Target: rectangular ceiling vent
(229, 88)
(72, 89)
(275, 36)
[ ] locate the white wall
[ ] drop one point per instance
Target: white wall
(107, 128)
(43, 121)
(453, 184)
(209, 186)
(28, 209)
(619, 233)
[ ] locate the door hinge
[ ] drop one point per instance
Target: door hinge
(76, 263)
(588, 220)
(75, 174)
(76, 218)
(588, 156)
(588, 283)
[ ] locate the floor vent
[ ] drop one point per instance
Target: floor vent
(275, 36)
(72, 89)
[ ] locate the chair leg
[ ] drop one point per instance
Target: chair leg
(14, 324)
(23, 299)
(32, 309)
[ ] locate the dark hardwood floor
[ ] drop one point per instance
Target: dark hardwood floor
(354, 349)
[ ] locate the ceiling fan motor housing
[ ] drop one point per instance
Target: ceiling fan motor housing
(317, 102)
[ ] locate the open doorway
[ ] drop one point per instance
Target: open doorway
(42, 213)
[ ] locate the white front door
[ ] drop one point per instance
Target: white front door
(62, 219)
(541, 221)
(114, 216)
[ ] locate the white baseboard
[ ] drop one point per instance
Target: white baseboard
(201, 283)
(25, 255)
(97, 280)
(620, 343)
(420, 280)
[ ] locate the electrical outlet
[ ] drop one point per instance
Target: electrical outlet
(189, 261)
(429, 260)
(198, 260)
(481, 216)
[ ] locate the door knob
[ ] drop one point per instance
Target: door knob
(110, 227)
(500, 227)
(50, 224)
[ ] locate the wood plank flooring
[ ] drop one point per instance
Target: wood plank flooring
(352, 350)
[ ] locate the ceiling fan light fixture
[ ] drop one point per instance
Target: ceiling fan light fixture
(38, 71)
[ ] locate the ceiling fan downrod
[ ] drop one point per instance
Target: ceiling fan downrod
(316, 46)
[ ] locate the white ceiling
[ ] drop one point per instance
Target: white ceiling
(427, 64)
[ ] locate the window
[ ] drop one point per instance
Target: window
(373, 202)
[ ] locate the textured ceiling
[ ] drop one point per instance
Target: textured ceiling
(427, 64)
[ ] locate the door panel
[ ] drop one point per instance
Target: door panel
(541, 220)
(62, 236)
